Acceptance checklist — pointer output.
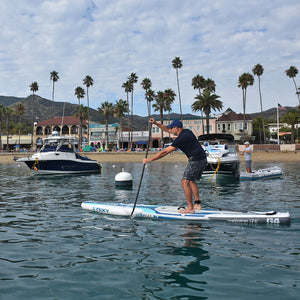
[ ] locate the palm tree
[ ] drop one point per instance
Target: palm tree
(199, 82)
(298, 91)
(88, 81)
(8, 112)
(245, 80)
(20, 111)
(34, 87)
(146, 84)
(207, 102)
(169, 95)
(177, 64)
(291, 118)
(120, 108)
(128, 88)
(150, 97)
(161, 106)
(54, 77)
(210, 85)
(133, 78)
(163, 101)
(2, 109)
(170, 98)
(292, 72)
(80, 112)
(257, 131)
(149, 94)
(258, 70)
(106, 109)
(79, 93)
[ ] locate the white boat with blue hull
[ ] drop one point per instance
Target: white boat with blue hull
(58, 156)
(172, 213)
(267, 173)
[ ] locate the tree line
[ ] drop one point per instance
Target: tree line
(205, 102)
(291, 117)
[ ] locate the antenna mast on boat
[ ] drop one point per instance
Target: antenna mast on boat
(62, 119)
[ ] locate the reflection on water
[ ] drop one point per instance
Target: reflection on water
(188, 279)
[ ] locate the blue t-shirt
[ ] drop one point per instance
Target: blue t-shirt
(189, 145)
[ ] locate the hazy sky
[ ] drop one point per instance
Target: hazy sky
(110, 39)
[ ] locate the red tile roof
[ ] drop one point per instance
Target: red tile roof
(58, 121)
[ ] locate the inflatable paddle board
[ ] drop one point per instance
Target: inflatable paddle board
(172, 213)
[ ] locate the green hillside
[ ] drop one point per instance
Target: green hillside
(42, 109)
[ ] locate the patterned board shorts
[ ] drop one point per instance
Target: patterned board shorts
(194, 170)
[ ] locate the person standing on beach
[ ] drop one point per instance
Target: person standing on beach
(187, 142)
(248, 157)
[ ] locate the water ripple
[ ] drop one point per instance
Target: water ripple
(52, 249)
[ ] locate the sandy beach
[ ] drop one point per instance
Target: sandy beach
(261, 156)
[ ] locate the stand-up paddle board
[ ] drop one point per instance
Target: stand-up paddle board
(172, 213)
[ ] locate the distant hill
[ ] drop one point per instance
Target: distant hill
(272, 113)
(8, 100)
(43, 107)
(43, 110)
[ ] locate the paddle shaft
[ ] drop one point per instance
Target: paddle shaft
(146, 155)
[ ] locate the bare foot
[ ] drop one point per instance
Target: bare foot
(187, 211)
(197, 206)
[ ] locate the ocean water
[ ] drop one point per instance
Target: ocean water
(52, 249)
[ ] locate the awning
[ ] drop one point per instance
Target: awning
(141, 143)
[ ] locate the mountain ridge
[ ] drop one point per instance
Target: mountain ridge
(43, 110)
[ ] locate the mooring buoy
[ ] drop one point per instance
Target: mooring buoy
(123, 179)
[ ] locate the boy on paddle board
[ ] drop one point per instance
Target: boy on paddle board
(187, 142)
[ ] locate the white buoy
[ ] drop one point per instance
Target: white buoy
(123, 179)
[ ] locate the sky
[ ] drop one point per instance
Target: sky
(110, 39)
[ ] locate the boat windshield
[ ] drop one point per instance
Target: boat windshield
(58, 144)
(222, 146)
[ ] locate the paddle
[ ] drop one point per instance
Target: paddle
(138, 191)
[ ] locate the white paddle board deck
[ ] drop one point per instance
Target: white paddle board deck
(172, 212)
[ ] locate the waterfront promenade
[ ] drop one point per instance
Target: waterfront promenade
(266, 156)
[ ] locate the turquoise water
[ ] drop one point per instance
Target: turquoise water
(52, 249)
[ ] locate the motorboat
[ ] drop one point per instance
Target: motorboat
(58, 156)
(222, 155)
(267, 173)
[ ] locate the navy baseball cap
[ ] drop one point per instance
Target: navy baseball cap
(175, 123)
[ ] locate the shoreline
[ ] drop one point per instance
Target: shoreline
(257, 156)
